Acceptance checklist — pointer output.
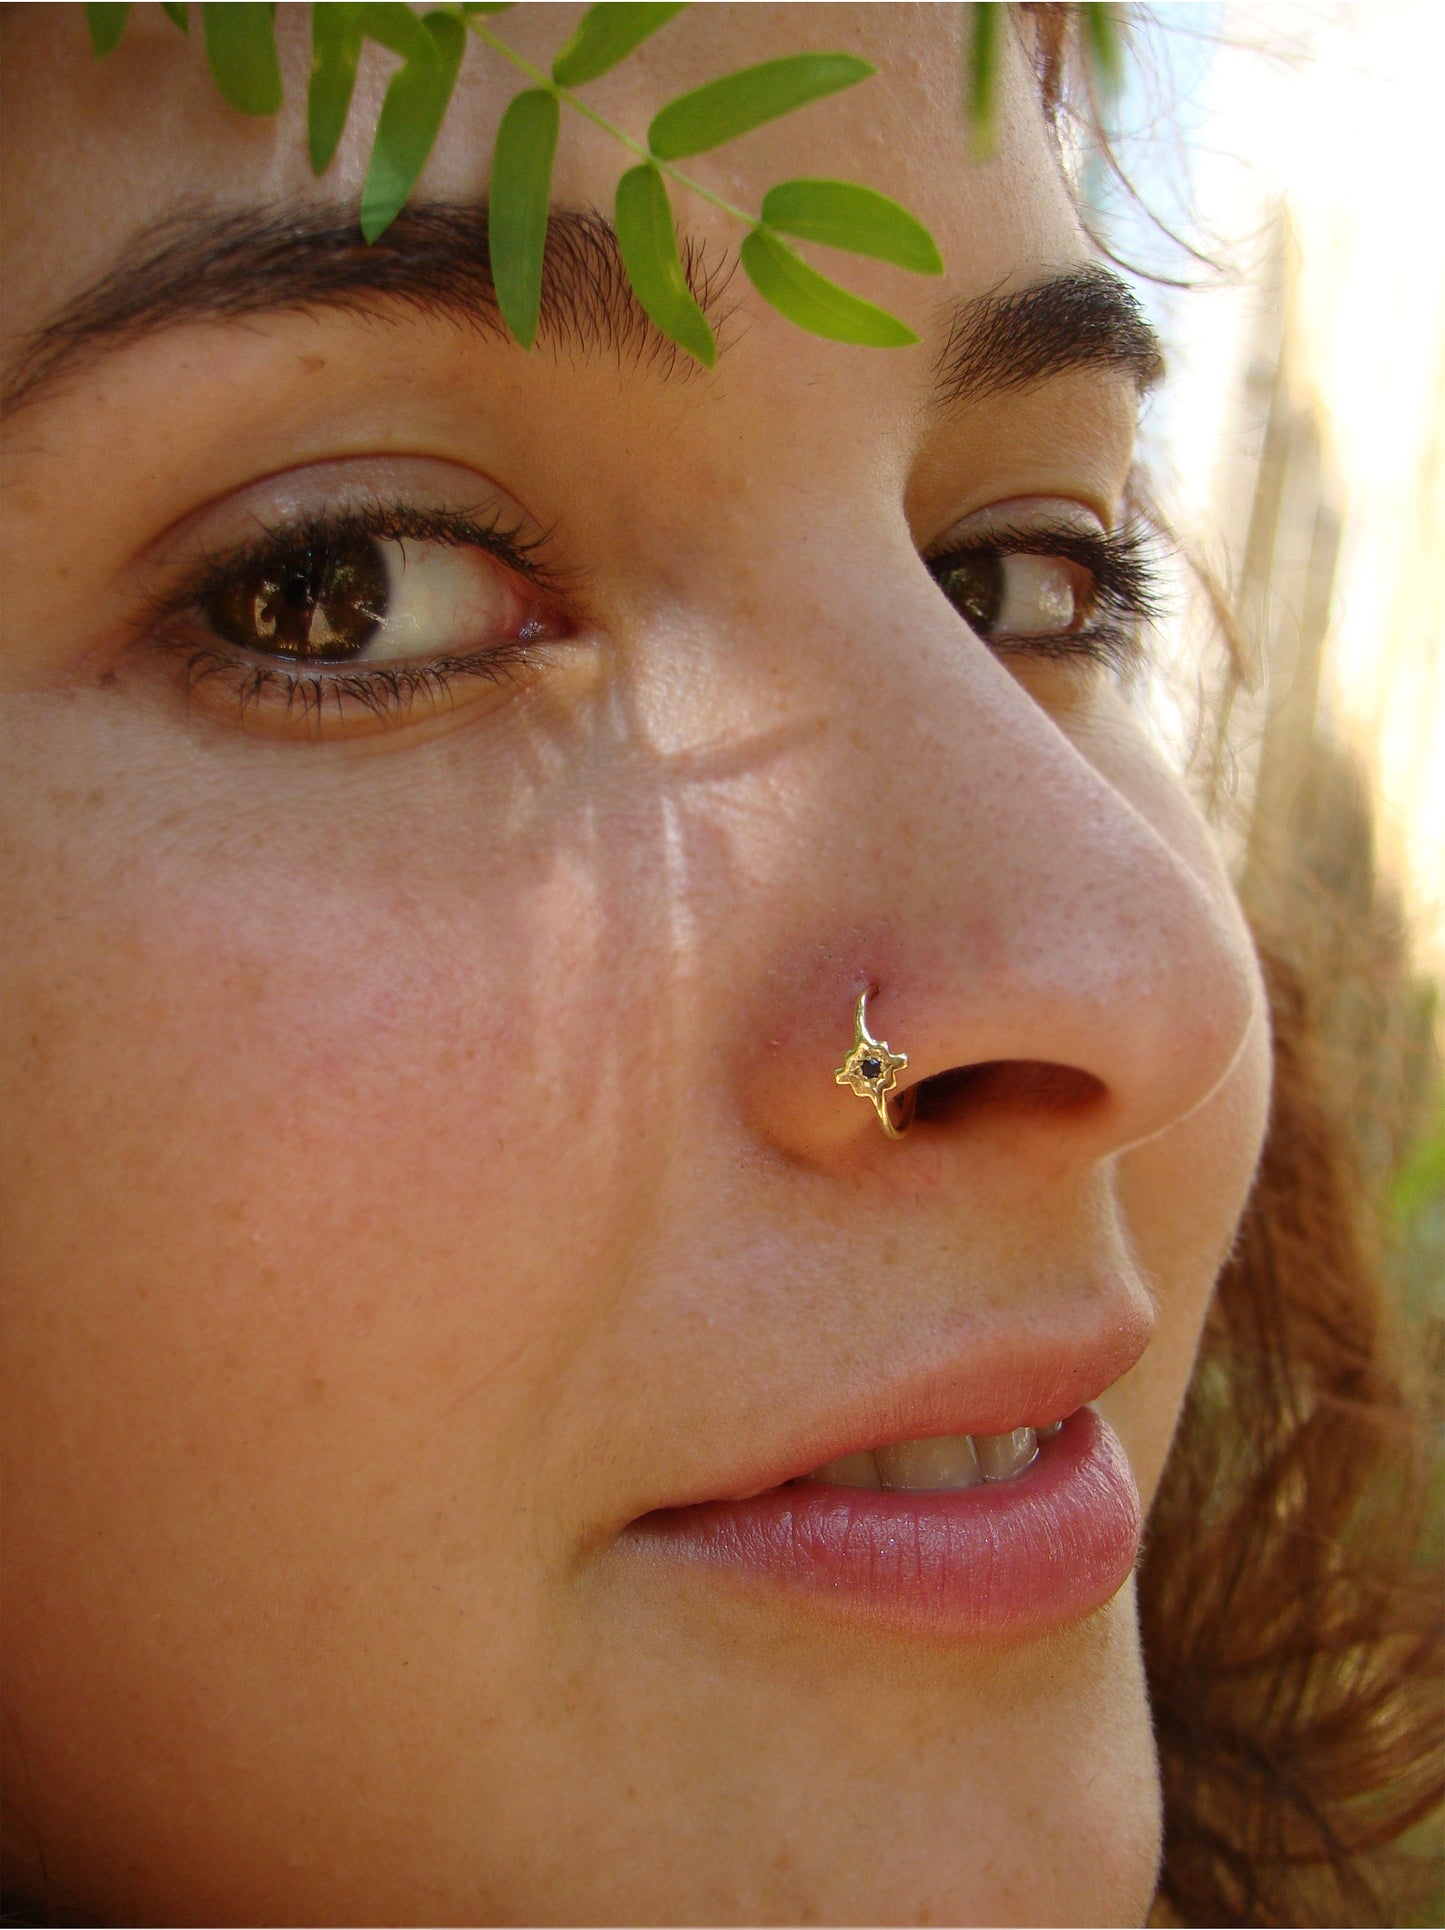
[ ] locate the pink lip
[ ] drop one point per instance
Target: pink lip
(1004, 1559)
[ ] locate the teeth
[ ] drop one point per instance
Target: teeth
(948, 1461)
(851, 1471)
(1003, 1455)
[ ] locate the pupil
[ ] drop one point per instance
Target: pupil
(299, 591)
(324, 601)
(974, 586)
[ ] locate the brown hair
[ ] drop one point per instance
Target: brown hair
(1293, 1641)
(1291, 1617)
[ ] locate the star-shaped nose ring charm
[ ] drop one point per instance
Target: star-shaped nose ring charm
(872, 1071)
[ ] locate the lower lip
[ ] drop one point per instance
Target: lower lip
(1006, 1559)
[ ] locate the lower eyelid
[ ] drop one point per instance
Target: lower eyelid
(1109, 647)
(276, 700)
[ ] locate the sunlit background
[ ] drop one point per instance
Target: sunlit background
(1288, 229)
(1313, 372)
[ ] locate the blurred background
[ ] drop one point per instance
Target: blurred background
(1277, 201)
(1275, 190)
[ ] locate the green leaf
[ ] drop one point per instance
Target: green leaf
(394, 25)
(517, 207)
(411, 116)
(739, 102)
(845, 215)
(106, 24)
(983, 76)
(1420, 1183)
(648, 242)
(1104, 41)
(814, 302)
(606, 34)
(338, 32)
(175, 12)
(335, 51)
(241, 47)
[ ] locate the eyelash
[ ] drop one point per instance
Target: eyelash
(387, 691)
(1120, 568)
(1125, 589)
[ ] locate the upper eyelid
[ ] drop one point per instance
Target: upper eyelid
(350, 486)
(1134, 539)
(1044, 508)
(1012, 531)
(394, 522)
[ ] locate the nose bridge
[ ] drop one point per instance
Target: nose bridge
(1010, 897)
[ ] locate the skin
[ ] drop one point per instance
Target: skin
(424, 1156)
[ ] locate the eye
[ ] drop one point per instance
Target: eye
(351, 597)
(361, 617)
(1019, 597)
(1065, 591)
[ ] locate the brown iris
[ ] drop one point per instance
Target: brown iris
(320, 600)
(973, 584)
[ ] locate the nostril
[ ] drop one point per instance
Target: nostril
(947, 1095)
(1009, 1085)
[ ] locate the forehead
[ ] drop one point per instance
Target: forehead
(99, 151)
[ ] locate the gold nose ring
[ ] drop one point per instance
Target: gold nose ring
(872, 1070)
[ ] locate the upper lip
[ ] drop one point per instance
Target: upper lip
(1003, 1379)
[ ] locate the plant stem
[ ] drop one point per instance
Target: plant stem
(638, 147)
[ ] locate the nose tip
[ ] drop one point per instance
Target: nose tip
(1194, 1007)
(1085, 965)
(1130, 989)
(1105, 1075)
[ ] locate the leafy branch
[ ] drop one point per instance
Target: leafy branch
(843, 214)
(240, 46)
(241, 50)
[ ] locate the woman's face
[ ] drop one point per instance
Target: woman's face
(428, 1186)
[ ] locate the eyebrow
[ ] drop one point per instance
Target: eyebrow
(1085, 318)
(204, 266)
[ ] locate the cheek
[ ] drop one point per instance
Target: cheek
(290, 1177)
(1181, 1196)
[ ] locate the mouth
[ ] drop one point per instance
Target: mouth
(1028, 1521)
(941, 1465)
(1007, 1557)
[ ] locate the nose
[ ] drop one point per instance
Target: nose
(1035, 908)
